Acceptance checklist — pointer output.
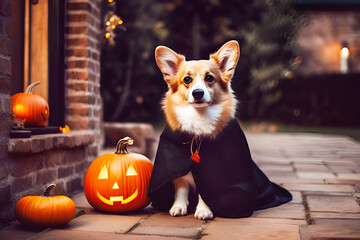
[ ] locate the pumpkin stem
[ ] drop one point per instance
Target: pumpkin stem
(30, 88)
(122, 143)
(48, 190)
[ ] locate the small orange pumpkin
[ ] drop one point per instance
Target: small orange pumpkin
(118, 182)
(31, 107)
(44, 210)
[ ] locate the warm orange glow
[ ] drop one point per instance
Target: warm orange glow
(110, 1)
(115, 186)
(103, 173)
(19, 108)
(65, 129)
(344, 52)
(107, 35)
(120, 22)
(131, 171)
(117, 198)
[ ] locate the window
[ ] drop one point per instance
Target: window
(38, 51)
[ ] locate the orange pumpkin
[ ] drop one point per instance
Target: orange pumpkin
(31, 107)
(44, 210)
(118, 182)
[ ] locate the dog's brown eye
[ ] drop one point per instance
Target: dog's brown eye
(187, 80)
(209, 78)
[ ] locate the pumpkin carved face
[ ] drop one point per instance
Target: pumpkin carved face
(118, 182)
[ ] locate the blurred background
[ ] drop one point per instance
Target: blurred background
(298, 70)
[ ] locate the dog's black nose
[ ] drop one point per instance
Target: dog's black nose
(198, 94)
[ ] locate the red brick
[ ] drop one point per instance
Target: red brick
(77, 75)
(78, 42)
(95, 56)
(78, 111)
(92, 100)
(21, 184)
(5, 194)
(45, 177)
(54, 158)
(60, 189)
(96, 90)
(5, 84)
(76, 154)
(93, 150)
(77, 30)
(79, 6)
(77, 52)
(81, 167)
(77, 17)
(24, 164)
(65, 171)
(77, 64)
(78, 123)
(74, 184)
(77, 85)
(5, 45)
(5, 66)
(79, 98)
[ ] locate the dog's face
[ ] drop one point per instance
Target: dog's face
(199, 83)
(199, 99)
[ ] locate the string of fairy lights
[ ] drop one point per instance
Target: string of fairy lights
(112, 22)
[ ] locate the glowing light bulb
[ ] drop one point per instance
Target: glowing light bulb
(107, 35)
(120, 22)
(344, 60)
(344, 52)
(113, 26)
(108, 23)
(112, 19)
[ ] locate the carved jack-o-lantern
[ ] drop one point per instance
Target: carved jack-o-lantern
(118, 182)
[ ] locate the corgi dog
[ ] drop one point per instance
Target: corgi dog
(199, 101)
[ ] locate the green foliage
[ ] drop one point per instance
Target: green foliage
(265, 30)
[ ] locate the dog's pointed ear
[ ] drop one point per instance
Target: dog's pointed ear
(169, 62)
(226, 58)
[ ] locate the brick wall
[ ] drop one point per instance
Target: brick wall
(28, 165)
(320, 40)
(5, 105)
(83, 102)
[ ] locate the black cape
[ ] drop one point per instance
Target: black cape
(226, 177)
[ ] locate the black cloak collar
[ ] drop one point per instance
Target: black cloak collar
(226, 177)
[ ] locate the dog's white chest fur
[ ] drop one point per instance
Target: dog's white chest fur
(199, 121)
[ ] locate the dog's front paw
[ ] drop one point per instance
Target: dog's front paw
(178, 209)
(203, 212)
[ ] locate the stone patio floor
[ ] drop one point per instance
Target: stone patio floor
(321, 171)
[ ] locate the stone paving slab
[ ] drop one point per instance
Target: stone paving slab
(321, 171)
(316, 187)
(332, 204)
(287, 211)
(235, 229)
(334, 215)
(327, 232)
(84, 235)
(102, 222)
(162, 224)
